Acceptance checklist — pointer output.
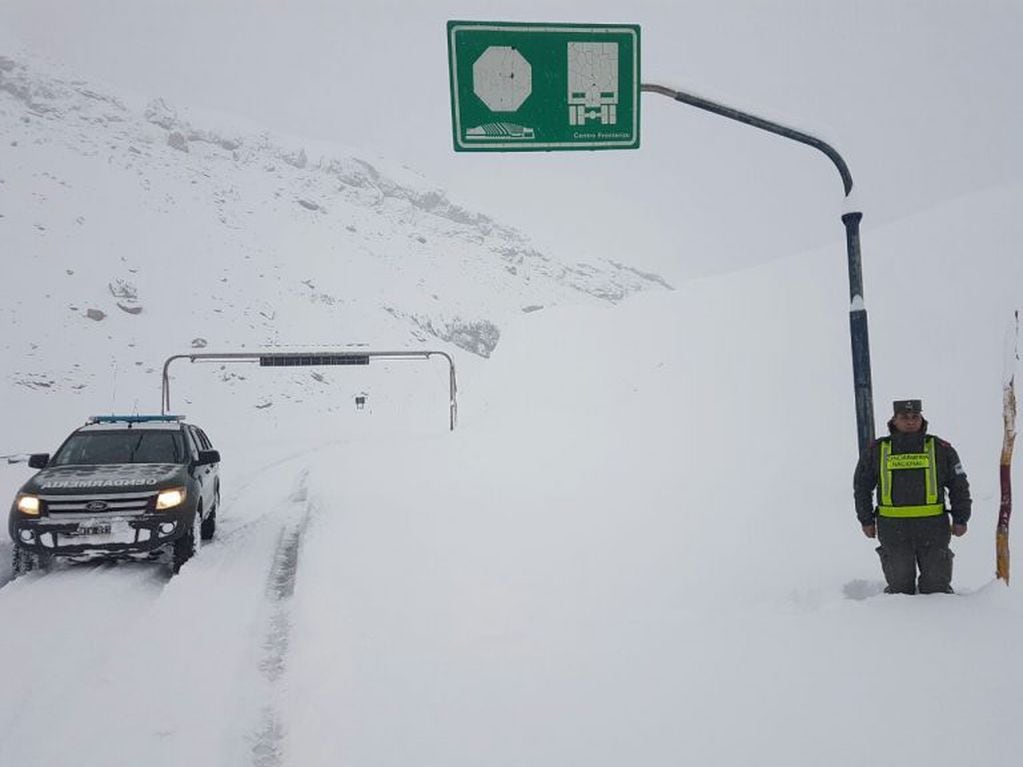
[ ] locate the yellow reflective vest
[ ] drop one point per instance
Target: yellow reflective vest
(891, 463)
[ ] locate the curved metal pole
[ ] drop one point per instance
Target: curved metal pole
(758, 122)
(862, 386)
(165, 390)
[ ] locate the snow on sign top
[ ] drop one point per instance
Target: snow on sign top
(542, 87)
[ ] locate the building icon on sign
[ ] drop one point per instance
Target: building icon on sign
(592, 83)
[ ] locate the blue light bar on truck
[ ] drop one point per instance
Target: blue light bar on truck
(303, 360)
(134, 418)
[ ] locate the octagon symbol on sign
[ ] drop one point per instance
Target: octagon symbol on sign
(502, 78)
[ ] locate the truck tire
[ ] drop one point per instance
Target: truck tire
(209, 525)
(23, 561)
(185, 547)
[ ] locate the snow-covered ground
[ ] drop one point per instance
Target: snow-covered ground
(637, 547)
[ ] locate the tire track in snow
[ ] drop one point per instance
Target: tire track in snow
(250, 480)
(215, 638)
(267, 747)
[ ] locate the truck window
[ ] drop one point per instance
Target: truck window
(128, 446)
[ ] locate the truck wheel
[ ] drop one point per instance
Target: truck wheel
(209, 525)
(23, 561)
(186, 546)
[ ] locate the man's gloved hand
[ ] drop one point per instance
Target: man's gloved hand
(958, 530)
(871, 530)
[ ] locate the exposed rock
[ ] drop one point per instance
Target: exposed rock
(229, 144)
(160, 113)
(95, 314)
(35, 381)
(177, 140)
(123, 289)
(479, 337)
(198, 343)
(655, 278)
(295, 159)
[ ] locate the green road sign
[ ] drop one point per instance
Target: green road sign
(539, 87)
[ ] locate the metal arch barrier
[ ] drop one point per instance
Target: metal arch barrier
(310, 359)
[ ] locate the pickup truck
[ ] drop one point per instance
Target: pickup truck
(121, 486)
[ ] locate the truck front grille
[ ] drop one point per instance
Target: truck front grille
(119, 503)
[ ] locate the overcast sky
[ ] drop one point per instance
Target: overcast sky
(921, 98)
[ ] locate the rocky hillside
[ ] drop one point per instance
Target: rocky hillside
(132, 229)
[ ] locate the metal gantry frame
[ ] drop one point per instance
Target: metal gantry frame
(313, 359)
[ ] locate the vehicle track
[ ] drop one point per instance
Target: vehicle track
(267, 747)
(220, 628)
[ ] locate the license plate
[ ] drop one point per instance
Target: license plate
(96, 529)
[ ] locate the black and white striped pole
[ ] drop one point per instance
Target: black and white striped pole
(862, 385)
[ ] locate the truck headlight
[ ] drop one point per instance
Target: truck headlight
(28, 504)
(168, 499)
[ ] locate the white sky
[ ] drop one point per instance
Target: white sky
(921, 98)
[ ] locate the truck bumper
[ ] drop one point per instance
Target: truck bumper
(88, 536)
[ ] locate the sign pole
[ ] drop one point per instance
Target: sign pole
(1005, 461)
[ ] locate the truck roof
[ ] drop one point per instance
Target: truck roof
(146, 426)
(134, 418)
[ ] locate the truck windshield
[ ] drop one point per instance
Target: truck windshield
(128, 446)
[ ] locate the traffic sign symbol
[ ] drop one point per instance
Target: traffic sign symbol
(502, 78)
(592, 82)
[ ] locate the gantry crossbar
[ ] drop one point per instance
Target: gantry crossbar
(312, 359)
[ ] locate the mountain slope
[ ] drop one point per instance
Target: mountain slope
(116, 215)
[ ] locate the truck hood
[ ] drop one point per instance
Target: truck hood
(127, 477)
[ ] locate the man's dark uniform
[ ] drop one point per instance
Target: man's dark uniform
(911, 541)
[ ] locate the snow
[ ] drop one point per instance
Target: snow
(637, 547)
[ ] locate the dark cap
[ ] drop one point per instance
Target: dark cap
(907, 406)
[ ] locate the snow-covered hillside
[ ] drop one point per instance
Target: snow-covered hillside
(135, 231)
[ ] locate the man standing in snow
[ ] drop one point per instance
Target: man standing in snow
(910, 469)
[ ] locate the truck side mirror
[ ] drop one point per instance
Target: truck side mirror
(206, 457)
(38, 460)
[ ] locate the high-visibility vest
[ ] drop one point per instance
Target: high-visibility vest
(900, 462)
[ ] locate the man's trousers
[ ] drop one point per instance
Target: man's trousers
(911, 543)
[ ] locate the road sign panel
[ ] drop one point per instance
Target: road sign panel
(314, 360)
(542, 87)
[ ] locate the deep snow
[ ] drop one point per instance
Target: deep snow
(638, 546)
